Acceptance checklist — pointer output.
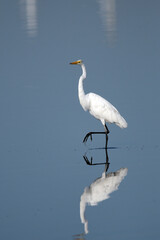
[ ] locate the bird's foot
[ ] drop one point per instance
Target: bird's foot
(87, 136)
(87, 161)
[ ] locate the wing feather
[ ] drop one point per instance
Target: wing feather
(101, 109)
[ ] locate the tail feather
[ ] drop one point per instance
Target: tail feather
(121, 122)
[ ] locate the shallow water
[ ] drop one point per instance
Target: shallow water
(47, 188)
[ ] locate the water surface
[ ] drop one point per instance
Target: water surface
(48, 191)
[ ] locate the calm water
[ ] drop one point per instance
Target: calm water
(47, 189)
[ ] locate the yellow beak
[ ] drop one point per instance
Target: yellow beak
(76, 62)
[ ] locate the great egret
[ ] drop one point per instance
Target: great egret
(97, 106)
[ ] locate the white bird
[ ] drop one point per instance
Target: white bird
(97, 106)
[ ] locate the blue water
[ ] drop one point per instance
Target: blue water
(44, 178)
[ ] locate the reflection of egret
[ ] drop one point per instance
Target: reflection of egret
(99, 191)
(90, 162)
(98, 106)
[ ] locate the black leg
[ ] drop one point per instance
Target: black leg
(90, 135)
(90, 162)
(107, 130)
(106, 142)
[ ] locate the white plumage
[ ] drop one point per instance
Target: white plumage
(104, 110)
(97, 106)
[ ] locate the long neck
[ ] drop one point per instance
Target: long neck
(81, 93)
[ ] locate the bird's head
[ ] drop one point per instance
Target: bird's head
(78, 62)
